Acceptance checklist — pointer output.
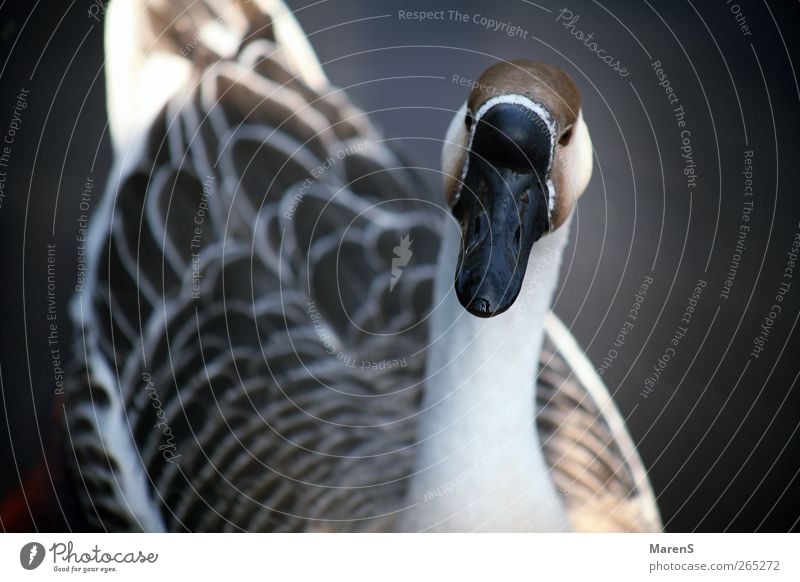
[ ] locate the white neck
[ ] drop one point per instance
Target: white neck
(479, 465)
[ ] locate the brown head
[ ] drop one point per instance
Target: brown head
(516, 158)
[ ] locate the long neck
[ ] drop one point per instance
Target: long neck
(479, 465)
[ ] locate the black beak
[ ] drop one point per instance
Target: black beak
(503, 205)
(502, 213)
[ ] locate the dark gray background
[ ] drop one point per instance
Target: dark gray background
(719, 433)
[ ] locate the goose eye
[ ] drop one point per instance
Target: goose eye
(565, 137)
(468, 120)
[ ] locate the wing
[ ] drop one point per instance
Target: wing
(594, 462)
(253, 318)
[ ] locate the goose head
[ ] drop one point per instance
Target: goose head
(516, 158)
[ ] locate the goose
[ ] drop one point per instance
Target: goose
(280, 329)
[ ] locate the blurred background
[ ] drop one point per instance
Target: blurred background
(698, 104)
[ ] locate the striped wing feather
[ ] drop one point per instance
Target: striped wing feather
(594, 462)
